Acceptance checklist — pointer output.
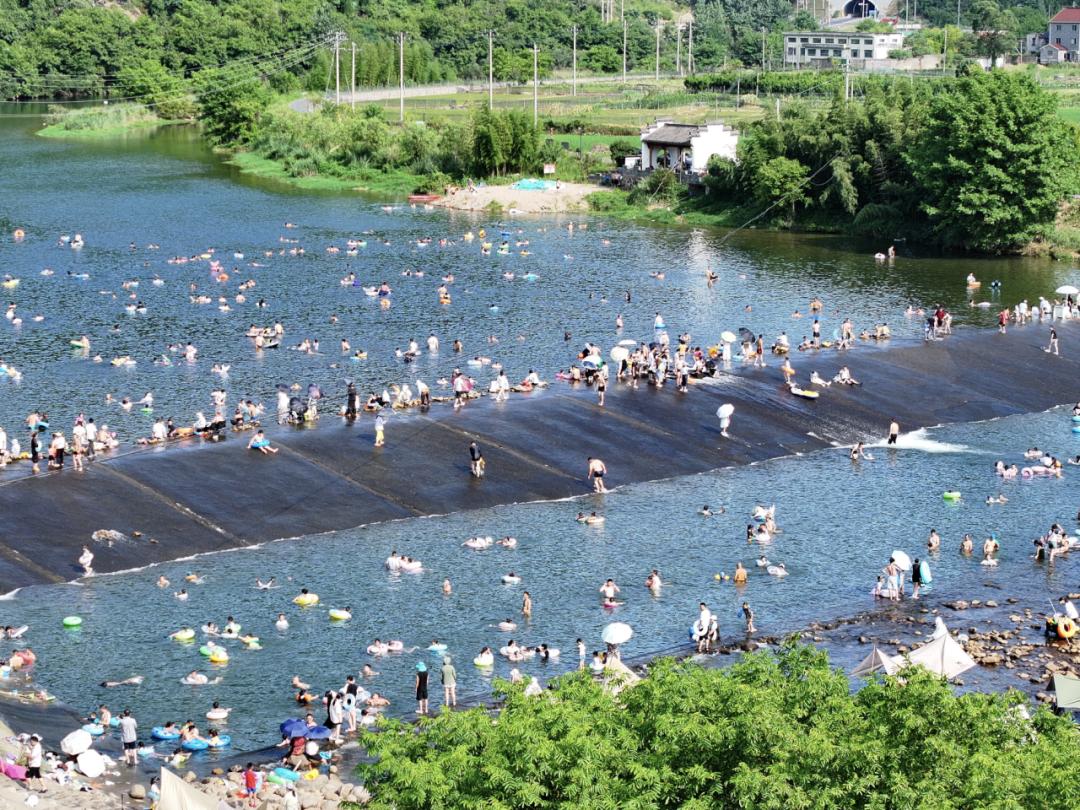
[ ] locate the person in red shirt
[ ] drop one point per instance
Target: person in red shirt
(251, 782)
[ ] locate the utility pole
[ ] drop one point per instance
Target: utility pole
(944, 52)
(764, 30)
(690, 48)
(536, 84)
(401, 73)
(678, 50)
(624, 51)
(957, 13)
(491, 71)
(657, 77)
(352, 81)
(337, 38)
(575, 60)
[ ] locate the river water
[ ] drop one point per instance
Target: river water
(841, 519)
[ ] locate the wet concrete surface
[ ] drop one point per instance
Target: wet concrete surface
(195, 497)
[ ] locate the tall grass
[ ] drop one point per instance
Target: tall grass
(98, 119)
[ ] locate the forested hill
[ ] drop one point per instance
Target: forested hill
(54, 47)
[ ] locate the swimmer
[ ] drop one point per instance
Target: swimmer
(653, 583)
(282, 623)
(507, 625)
(300, 684)
(966, 545)
(162, 582)
(707, 512)
(368, 672)
(609, 589)
(182, 596)
(999, 499)
(133, 681)
(259, 584)
(446, 586)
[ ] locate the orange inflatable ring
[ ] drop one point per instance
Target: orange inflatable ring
(1066, 627)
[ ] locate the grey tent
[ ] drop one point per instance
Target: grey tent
(877, 660)
(1067, 690)
(943, 656)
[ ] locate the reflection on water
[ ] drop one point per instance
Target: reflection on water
(841, 521)
(166, 187)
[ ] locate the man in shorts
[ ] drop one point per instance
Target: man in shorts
(448, 676)
(129, 736)
(477, 458)
(596, 473)
(33, 763)
(251, 783)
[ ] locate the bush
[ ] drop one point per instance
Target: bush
(623, 147)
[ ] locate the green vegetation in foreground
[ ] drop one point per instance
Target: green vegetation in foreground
(394, 183)
(775, 730)
(986, 165)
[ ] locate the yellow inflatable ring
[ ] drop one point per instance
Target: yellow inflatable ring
(1066, 627)
(219, 658)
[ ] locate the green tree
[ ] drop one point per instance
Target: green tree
(779, 178)
(231, 104)
(622, 147)
(995, 29)
(775, 730)
(993, 161)
(603, 59)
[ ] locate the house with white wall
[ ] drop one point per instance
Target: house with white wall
(686, 147)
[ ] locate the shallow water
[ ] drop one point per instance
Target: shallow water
(166, 187)
(841, 519)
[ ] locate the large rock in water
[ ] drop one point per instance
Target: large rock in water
(137, 791)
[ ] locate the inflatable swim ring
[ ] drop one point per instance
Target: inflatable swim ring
(217, 714)
(340, 614)
(223, 741)
(951, 496)
(1066, 627)
(509, 580)
(274, 779)
(158, 733)
(286, 774)
(437, 647)
(196, 744)
(185, 635)
(219, 657)
(484, 661)
(350, 701)
(73, 621)
(306, 600)
(94, 729)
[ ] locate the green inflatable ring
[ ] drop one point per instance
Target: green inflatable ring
(277, 780)
(951, 496)
(73, 621)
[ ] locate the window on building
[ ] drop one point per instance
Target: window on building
(791, 51)
(828, 40)
(802, 52)
(1057, 41)
(817, 40)
(838, 52)
(811, 51)
(841, 42)
(805, 39)
(854, 54)
(868, 54)
(1074, 28)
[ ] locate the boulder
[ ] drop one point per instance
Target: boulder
(992, 659)
(137, 791)
(235, 778)
(959, 604)
(991, 604)
(329, 805)
(190, 777)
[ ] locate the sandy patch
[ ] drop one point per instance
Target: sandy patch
(568, 198)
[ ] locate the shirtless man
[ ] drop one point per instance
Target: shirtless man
(934, 542)
(740, 575)
(966, 545)
(990, 546)
(609, 589)
(596, 473)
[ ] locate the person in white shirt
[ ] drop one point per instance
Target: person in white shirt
(33, 763)
(433, 343)
(424, 393)
(1070, 608)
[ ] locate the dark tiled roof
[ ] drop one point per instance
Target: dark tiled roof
(672, 135)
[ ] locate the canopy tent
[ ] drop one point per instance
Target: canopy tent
(943, 656)
(176, 794)
(1067, 690)
(877, 660)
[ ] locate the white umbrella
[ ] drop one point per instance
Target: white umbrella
(76, 742)
(91, 764)
(902, 559)
(628, 343)
(725, 411)
(1068, 289)
(617, 633)
(619, 353)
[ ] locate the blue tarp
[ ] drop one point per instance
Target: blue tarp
(529, 184)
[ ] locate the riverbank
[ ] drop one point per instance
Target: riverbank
(569, 197)
(62, 131)
(181, 499)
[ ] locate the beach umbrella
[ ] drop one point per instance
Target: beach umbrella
(76, 742)
(725, 411)
(617, 633)
(728, 337)
(1067, 690)
(619, 353)
(592, 361)
(876, 661)
(746, 336)
(318, 733)
(91, 764)
(1068, 289)
(902, 559)
(628, 343)
(294, 727)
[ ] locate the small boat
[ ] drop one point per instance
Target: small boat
(424, 197)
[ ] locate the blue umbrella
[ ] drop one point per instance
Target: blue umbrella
(318, 733)
(294, 728)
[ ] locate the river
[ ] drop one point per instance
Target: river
(166, 187)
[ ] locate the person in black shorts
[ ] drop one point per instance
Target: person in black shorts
(422, 688)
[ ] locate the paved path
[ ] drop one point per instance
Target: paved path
(195, 497)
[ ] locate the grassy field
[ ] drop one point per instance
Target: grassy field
(1070, 114)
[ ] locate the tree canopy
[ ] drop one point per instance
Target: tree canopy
(776, 730)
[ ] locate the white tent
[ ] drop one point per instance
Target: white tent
(943, 656)
(877, 660)
(176, 794)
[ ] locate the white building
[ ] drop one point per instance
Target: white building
(819, 48)
(686, 147)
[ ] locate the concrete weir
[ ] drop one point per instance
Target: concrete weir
(195, 497)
